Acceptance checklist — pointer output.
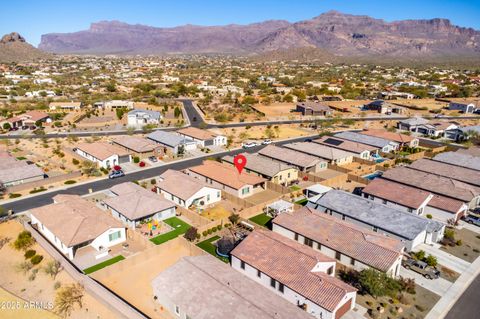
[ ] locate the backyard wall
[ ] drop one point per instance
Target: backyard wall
(43, 182)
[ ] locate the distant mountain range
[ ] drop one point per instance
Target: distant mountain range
(332, 33)
(13, 48)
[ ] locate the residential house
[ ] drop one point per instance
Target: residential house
(349, 244)
(202, 137)
(401, 139)
(408, 228)
(133, 204)
(462, 174)
(332, 155)
(139, 118)
(15, 172)
(420, 125)
(228, 179)
(303, 162)
(314, 192)
(234, 294)
(459, 159)
(464, 133)
(172, 143)
(115, 104)
(276, 172)
(359, 150)
(72, 223)
(138, 146)
(105, 154)
(65, 106)
(187, 191)
(29, 118)
(383, 107)
(465, 106)
(313, 108)
(436, 184)
(414, 200)
(384, 145)
(303, 276)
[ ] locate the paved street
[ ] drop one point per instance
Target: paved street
(468, 305)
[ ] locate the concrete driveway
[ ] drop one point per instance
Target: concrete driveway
(438, 286)
(448, 260)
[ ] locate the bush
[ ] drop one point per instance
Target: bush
(14, 195)
(136, 159)
(57, 285)
(24, 240)
(70, 182)
(29, 253)
(75, 161)
(153, 181)
(204, 233)
(219, 227)
(429, 216)
(191, 234)
(420, 255)
(459, 242)
(36, 259)
(431, 260)
(209, 231)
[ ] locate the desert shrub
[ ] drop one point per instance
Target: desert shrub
(24, 241)
(459, 242)
(52, 268)
(429, 216)
(29, 253)
(407, 285)
(24, 267)
(204, 233)
(14, 195)
(191, 234)
(70, 182)
(153, 181)
(219, 227)
(57, 285)
(136, 159)
(75, 161)
(209, 231)
(36, 259)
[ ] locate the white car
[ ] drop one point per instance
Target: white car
(249, 145)
(266, 142)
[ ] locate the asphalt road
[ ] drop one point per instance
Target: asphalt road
(468, 305)
(103, 184)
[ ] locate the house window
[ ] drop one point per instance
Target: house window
(273, 282)
(208, 197)
(296, 236)
(384, 202)
(245, 190)
(288, 175)
(218, 194)
(330, 270)
(338, 255)
(114, 236)
(177, 310)
(280, 287)
(259, 273)
(343, 217)
(308, 241)
(410, 210)
(352, 262)
(242, 265)
(375, 229)
(319, 246)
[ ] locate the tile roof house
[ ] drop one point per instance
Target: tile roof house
(65, 105)
(189, 192)
(384, 145)
(15, 172)
(313, 108)
(459, 159)
(227, 178)
(304, 162)
(106, 155)
(348, 243)
(138, 145)
(332, 155)
(139, 118)
(414, 200)
(231, 294)
(71, 223)
(435, 184)
(29, 118)
(276, 172)
(401, 139)
(302, 275)
(360, 150)
(132, 204)
(172, 142)
(409, 228)
(203, 137)
(462, 174)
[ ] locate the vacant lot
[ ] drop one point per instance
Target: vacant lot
(469, 248)
(276, 110)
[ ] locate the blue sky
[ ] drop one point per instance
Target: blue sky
(34, 18)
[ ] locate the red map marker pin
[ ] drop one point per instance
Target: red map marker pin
(240, 161)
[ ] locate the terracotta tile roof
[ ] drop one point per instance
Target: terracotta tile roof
(391, 136)
(197, 133)
(291, 264)
(433, 183)
(74, 220)
(101, 150)
(36, 115)
(135, 202)
(290, 156)
(368, 247)
(398, 193)
(136, 144)
(169, 181)
(226, 174)
(462, 174)
(447, 204)
(261, 165)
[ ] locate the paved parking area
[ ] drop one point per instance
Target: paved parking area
(438, 286)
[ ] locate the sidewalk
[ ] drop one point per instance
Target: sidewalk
(443, 306)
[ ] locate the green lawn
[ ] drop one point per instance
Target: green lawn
(295, 188)
(104, 264)
(211, 249)
(302, 202)
(179, 228)
(261, 219)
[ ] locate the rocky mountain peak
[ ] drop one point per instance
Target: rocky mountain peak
(12, 37)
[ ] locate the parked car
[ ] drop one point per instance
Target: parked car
(421, 267)
(249, 145)
(266, 142)
(153, 159)
(115, 174)
(33, 127)
(14, 129)
(25, 127)
(308, 140)
(194, 119)
(473, 219)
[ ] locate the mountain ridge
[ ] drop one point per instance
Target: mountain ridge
(14, 48)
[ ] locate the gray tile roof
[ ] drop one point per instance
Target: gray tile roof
(362, 138)
(319, 150)
(405, 225)
(19, 170)
(167, 138)
(290, 156)
(230, 294)
(463, 174)
(261, 165)
(151, 114)
(459, 159)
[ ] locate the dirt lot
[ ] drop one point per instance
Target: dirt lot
(40, 289)
(241, 134)
(278, 110)
(131, 279)
(469, 250)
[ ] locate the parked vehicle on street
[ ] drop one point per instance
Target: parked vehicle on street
(249, 145)
(116, 174)
(473, 219)
(153, 159)
(266, 142)
(421, 267)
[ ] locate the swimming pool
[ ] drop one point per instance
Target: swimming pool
(373, 175)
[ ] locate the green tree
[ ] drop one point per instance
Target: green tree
(191, 234)
(431, 260)
(6, 126)
(24, 241)
(234, 218)
(177, 112)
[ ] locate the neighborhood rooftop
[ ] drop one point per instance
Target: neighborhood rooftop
(364, 245)
(364, 139)
(289, 156)
(196, 133)
(101, 150)
(345, 145)
(260, 164)
(167, 138)
(463, 174)
(136, 144)
(390, 136)
(291, 263)
(231, 294)
(459, 159)
(319, 150)
(394, 221)
(179, 184)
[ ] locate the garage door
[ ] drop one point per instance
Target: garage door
(124, 159)
(343, 309)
